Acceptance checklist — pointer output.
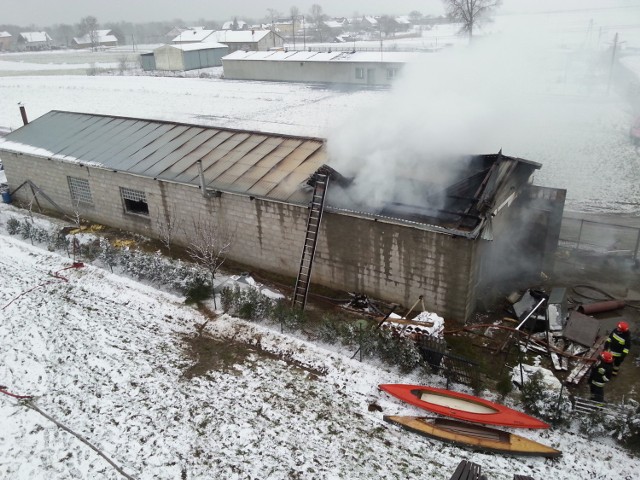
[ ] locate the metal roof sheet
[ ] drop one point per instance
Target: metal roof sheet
(252, 163)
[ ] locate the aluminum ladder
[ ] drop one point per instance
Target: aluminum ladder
(301, 290)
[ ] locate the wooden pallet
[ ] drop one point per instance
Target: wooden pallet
(584, 405)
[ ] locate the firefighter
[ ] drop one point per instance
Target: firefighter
(600, 374)
(618, 344)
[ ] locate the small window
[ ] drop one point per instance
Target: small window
(134, 201)
(392, 73)
(80, 191)
(359, 73)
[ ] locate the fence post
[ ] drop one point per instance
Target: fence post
(579, 234)
(555, 418)
(635, 252)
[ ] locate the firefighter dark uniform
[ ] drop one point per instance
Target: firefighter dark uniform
(600, 374)
(618, 344)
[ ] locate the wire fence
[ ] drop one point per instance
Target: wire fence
(600, 238)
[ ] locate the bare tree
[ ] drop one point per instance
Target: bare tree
(295, 12)
(388, 25)
(317, 15)
(123, 63)
(470, 12)
(89, 27)
(209, 241)
(167, 224)
(273, 15)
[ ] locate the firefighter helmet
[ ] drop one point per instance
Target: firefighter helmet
(623, 326)
(606, 357)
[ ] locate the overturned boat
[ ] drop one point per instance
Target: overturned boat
(461, 406)
(472, 436)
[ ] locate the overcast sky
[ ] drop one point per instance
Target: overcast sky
(48, 12)
(43, 13)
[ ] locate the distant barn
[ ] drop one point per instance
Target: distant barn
(490, 226)
(189, 56)
(356, 68)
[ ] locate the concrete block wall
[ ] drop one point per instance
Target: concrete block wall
(392, 262)
(397, 263)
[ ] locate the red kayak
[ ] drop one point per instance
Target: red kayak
(461, 406)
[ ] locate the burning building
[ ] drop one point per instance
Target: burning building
(488, 226)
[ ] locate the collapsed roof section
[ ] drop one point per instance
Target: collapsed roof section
(264, 165)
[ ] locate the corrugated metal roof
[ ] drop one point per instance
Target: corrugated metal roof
(252, 163)
(304, 56)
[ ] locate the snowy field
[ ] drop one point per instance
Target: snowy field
(108, 358)
(564, 116)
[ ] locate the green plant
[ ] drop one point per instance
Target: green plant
(504, 386)
(329, 328)
(288, 316)
(547, 404)
(13, 226)
(398, 350)
(198, 291)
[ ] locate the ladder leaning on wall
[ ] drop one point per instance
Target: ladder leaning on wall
(301, 289)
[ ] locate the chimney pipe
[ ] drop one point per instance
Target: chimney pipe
(23, 112)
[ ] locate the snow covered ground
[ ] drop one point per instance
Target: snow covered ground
(110, 359)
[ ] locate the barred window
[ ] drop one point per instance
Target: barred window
(135, 201)
(359, 73)
(79, 190)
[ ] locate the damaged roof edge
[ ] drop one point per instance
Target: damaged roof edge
(471, 235)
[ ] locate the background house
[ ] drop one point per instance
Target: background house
(254, 40)
(193, 35)
(189, 56)
(357, 68)
(32, 41)
(137, 174)
(6, 40)
(99, 38)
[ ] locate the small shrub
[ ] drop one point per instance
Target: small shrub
(504, 386)
(228, 298)
(397, 350)
(544, 403)
(286, 315)
(198, 291)
(329, 329)
(25, 229)
(13, 226)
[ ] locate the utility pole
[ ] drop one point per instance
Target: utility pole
(304, 33)
(380, 29)
(293, 28)
(613, 59)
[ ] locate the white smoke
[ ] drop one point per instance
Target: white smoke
(495, 93)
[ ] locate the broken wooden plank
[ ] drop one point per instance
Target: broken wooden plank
(581, 369)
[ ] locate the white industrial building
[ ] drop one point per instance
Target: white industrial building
(359, 68)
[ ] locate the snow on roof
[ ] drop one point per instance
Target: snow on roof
(188, 47)
(333, 24)
(299, 56)
(193, 35)
(33, 37)
(370, 19)
(403, 20)
(244, 36)
(297, 157)
(102, 36)
(4, 34)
